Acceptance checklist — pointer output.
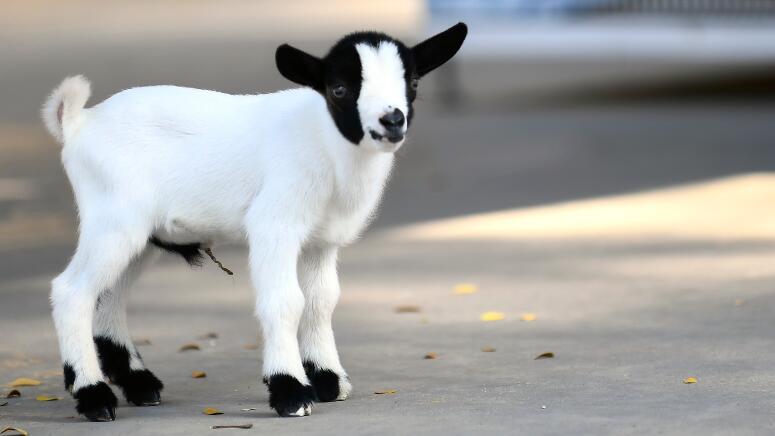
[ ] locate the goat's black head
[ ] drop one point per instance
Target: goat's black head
(370, 80)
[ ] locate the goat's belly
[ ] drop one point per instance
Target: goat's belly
(189, 230)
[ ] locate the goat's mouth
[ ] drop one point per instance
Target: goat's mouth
(393, 137)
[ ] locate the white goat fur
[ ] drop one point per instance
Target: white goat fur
(189, 165)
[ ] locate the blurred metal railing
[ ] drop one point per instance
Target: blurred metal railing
(689, 7)
(593, 7)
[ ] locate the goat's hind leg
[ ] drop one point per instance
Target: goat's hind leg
(102, 256)
(119, 359)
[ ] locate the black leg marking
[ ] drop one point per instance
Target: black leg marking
(114, 358)
(325, 382)
(140, 387)
(96, 402)
(69, 376)
(288, 397)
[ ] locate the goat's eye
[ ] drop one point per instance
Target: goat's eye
(415, 83)
(339, 91)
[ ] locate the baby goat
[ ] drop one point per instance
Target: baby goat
(297, 173)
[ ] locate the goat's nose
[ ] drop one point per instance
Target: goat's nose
(393, 120)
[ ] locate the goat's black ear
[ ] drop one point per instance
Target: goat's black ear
(436, 50)
(298, 66)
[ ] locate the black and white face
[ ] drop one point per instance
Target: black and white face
(370, 80)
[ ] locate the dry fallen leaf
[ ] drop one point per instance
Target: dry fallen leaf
(488, 349)
(198, 374)
(465, 288)
(211, 411)
(210, 335)
(492, 316)
(547, 355)
(189, 347)
(431, 355)
(18, 431)
(690, 380)
(243, 426)
(528, 317)
(407, 308)
(739, 302)
(19, 382)
(14, 393)
(46, 398)
(386, 392)
(139, 342)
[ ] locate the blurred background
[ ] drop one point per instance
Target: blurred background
(548, 101)
(606, 165)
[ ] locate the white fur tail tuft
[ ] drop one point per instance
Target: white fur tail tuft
(63, 107)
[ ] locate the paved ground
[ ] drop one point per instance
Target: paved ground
(628, 318)
(630, 309)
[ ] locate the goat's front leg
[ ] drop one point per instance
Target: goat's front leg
(320, 284)
(274, 252)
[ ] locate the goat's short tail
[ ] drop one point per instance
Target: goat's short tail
(63, 108)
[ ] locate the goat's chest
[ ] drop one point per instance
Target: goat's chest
(353, 202)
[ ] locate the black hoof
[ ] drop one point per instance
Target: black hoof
(104, 414)
(288, 397)
(325, 382)
(96, 402)
(145, 399)
(141, 388)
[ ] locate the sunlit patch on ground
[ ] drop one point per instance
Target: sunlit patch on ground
(739, 207)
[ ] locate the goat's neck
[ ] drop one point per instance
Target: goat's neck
(359, 173)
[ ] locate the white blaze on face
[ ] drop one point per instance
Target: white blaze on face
(383, 88)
